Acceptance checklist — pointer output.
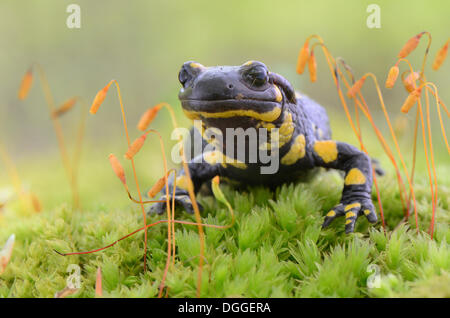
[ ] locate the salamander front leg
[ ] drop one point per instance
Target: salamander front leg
(200, 172)
(356, 196)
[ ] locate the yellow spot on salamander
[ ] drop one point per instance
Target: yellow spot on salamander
(349, 215)
(196, 65)
(279, 96)
(215, 157)
(212, 131)
(296, 152)
(351, 206)
(268, 126)
(348, 221)
(331, 213)
(286, 129)
(235, 163)
(285, 132)
(265, 116)
(182, 182)
(366, 212)
(355, 176)
(327, 150)
(248, 63)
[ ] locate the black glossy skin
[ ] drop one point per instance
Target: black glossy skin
(208, 92)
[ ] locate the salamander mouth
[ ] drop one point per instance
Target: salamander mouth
(258, 109)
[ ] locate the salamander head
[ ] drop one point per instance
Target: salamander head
(245, 92)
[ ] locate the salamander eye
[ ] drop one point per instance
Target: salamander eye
(257, 75)
(183, 76)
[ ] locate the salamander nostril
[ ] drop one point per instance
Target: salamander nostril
(230, 86)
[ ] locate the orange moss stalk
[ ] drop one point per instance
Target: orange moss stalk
(198, 220)
(366, 112)
(410, 81)
(168, 205)
(65, 107)
(170, 214)
(194, 205)
(312, 66)
(98, 283)
(415, 95)
(117, 167)
(157, 187)
(35, 202)
(410, 85)
(135, 147)
(429, 87)
(426, 152)
(396, 145)
(420, 114)
(356, 87)
(414, 152)
(303, 57)
(440, 56)
(411, 100)
(432, 85)
(98, 100)
(120, 173)
(60, 111)
(23, 92)
(388, 151)
(383, 107)
(148, 117)
(392, 76)
(25, 86)
(410, 45)
(430, 141)
(57, 125)
(136, 231)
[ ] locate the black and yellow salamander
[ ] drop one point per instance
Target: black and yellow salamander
(296, 134)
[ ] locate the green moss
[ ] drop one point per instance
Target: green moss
(275, 249)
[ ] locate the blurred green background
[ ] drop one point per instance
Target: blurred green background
(142, 44)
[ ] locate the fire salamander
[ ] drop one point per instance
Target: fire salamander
(297, 136)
